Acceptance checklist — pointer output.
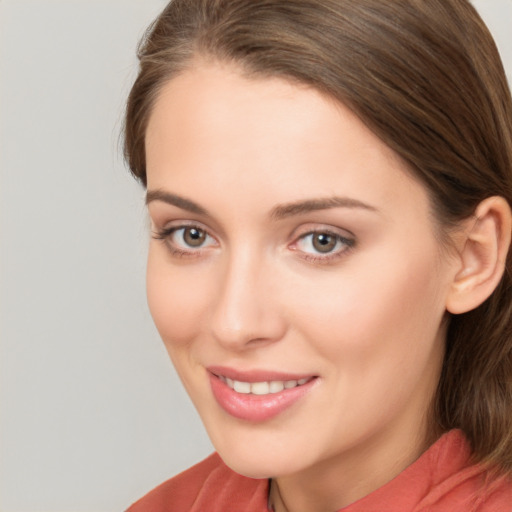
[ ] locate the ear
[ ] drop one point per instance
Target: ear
(482, 255)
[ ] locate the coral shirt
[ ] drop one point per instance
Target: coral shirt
(441, 480)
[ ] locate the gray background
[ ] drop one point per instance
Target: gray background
(92, 415)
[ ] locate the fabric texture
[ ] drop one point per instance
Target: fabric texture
(442, 480)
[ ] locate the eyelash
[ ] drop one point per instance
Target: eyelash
(165, 235)
(348, 244)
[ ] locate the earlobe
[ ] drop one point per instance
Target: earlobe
(482, 255)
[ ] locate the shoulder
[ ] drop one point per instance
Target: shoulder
(464, 485)
(498, 496)
(458, 484)
(443, 479)
(209, 484)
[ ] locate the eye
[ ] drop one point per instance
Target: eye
(192, 236)
(185, 240)
(323, 244)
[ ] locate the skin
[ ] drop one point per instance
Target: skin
(367, 318)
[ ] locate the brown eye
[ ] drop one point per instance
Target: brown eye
(324, 242)
(323, 245)
(186, 241)
(194, 237)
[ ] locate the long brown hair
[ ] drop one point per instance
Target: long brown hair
(426, 77)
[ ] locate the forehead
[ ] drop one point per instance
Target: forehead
(212, 129)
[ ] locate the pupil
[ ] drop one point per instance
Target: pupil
(194, 237)
(324, 242)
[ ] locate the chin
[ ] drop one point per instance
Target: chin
(261, 466)
(259, 456)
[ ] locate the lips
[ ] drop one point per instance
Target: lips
(257, 395)
(264, 387)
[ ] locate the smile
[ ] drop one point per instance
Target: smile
(262, 388)
(258, 396)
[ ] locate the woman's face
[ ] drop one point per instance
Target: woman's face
(294, 275)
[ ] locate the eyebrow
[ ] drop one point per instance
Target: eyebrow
(173, 199)
(277, 213)
(311, 205)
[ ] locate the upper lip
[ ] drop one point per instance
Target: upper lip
(256, 375)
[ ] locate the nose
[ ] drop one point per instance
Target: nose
(247, 312)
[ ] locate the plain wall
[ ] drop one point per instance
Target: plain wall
(92, 415)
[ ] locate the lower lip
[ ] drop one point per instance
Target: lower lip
(256, 408)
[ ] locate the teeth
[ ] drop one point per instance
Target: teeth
(262, 388)
(276, 386)
(242, 387)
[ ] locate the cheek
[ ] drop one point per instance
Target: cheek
(177, 299)
(387, 305)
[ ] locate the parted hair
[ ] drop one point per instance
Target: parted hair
(426, 77)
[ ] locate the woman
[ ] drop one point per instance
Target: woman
(329, 186)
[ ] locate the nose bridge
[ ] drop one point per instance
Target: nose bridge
(244, 312)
